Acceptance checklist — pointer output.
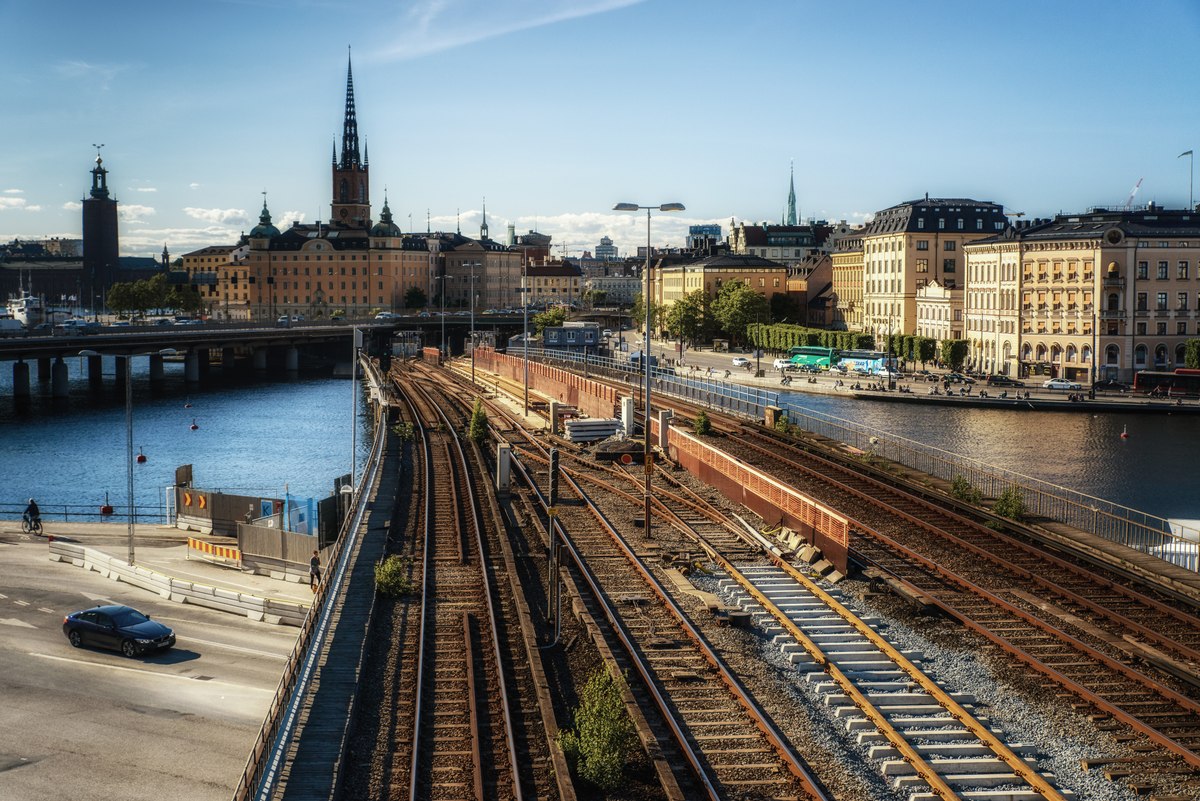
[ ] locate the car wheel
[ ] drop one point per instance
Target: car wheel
(75, 639)
(129, 649)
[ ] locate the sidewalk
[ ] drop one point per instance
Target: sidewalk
(163, 550)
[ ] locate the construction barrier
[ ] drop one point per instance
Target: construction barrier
(222, 554)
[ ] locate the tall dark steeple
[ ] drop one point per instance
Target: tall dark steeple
(101, 246)
(351, 183)
(483, 229)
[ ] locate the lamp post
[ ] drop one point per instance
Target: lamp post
(442, 297)
(525, 327)
(473, 265)
(647, 459)
(129, 429)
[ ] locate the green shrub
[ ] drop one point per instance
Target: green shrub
(604, 736)
(963, 490)
(391, 577)
(1010, 504)
(702, 424)
(477, 429)
(404, 431)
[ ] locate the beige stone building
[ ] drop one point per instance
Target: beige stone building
(939, 312)
(910, 244)
(847, 283)
(670, 283)
(554, 284)
(1113, 291)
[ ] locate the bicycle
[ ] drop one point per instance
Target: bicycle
(31, 526)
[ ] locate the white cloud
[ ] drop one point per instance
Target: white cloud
(33, 208)
(430, 26)
(133, 213)
(101, 74)
(219, 216)
(15, 203)
(145, 189)
(149, 241)
(72, 205)
(14, 191)
(193, 185)
(286, 219)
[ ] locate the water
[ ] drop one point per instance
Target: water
(253, 438)
(1079, 450)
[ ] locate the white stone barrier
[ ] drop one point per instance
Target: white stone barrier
(255, 607)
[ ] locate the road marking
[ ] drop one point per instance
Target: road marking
(227, 646)
(47, 611)
(141, 672)
(12, 621)
(21, 603)
(2, 595)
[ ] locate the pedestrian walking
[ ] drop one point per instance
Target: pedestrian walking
(314, 571)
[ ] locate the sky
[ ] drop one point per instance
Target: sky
(552, 111)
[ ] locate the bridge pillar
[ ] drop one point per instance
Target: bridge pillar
(43, 364)
(227, 360)
(191, 367)
(259, 359)
(95, 370)
(58, 381)
(20, 380)
(292, 359)
(203, 362)
(119, 366)
(156, 367)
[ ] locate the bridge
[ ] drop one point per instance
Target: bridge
(268, 348)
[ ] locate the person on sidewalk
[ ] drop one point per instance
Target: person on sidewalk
(314, 571)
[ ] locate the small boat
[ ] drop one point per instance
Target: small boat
(194, 427)
(141, 457)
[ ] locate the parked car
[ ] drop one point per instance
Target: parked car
(1003, 381)
(336, 318)
(283, 322)
(120, 628)
(386, 315)
(740, 361)
(783, 364)
(959, 378)
(1063, 384)
(1109, 385)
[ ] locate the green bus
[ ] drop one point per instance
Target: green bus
(811, 356)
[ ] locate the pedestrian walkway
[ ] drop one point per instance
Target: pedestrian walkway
(164, 550)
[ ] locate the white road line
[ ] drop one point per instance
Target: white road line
(21, 603)
(227, 646)
(141, 672)
(47, 611)
(3, 596)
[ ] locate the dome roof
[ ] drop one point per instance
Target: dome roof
(264, 227)
(385, 226)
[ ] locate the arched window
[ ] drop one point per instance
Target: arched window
(1055, 354)
(1139, 357)
(1072, 355)
(1086, 353)
(1113, 302)
(1112, 355)
(1041, 352)
(1180, 358)
(1026, 352)
(1160, 357)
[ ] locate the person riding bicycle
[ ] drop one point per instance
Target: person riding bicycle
(32, 515)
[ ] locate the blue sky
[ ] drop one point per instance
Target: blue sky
(554, 110)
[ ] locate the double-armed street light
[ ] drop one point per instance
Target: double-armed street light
(129, 427)
(647, 458)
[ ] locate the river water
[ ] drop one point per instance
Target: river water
(254, 437)
(262, 436)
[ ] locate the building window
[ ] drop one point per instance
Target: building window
(920, 223)
(1143, 270)
(922, 265)
(1162, 271)
(960, 223)
(922, 244)
(979, 224)
(947, 265)
(1141, 301)
(1141, 329)
(1161, 329)
(948, 246)
(1181, 272)
(941, 224)
(1182, 301)
(1181, 328)
(1160, 301)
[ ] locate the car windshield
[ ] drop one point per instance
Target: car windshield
(128, 617)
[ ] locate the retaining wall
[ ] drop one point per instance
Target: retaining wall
(590, 397)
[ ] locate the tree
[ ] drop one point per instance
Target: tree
(595, 297)
(687, 316)
(550, 317)
(738, 306)
(415, 298)
(604, 737)
(639, 312)
(785, 307)
(1191, 354)
(926, 349)
(477, 429)
(954, 352)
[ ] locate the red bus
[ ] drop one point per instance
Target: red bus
(1183, 383)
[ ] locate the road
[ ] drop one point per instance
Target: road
(96, 725)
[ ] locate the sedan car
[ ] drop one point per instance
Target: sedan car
(1110, 386)
(1003, 381)
(959, 378)
(783, 364)
(1063, 384)
(120, 628)
(741, 361)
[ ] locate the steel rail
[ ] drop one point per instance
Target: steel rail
(485, 574)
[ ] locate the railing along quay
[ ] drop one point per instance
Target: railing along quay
(1115, 522)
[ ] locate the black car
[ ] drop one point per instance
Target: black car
(1110, 386)
(1003, 381)
(120, 628)
(958, 378)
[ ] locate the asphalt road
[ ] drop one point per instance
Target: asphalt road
(80, 723)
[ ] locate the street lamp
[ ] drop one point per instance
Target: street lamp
(525, 326)
(473, 265)
(647, 459)
(129, 428)
(442, 297)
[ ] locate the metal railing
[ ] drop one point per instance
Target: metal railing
(1112, 521)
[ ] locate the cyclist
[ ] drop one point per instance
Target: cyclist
(32, 517)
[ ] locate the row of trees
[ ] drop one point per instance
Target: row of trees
(697, 317)
(781, 337)
(136, 298)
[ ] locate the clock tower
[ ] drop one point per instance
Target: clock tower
(351, 205)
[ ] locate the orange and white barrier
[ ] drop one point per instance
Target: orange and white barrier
(222, 553)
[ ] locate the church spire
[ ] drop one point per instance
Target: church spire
(791, 207)
(483, 229)
(350, 156)
(351, 179)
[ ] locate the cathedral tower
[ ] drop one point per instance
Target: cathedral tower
(351, 175)
(101, 246)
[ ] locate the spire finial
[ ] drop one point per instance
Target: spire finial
(791, 203)
(350, 155)
(483, 228)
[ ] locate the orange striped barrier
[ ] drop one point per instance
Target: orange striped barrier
(215, 551)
